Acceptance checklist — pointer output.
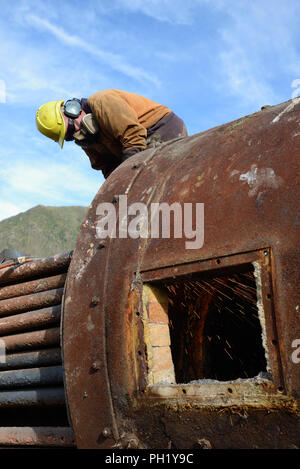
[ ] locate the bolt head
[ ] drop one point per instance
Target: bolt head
(95, 300)
(95, 367)
(106, 432)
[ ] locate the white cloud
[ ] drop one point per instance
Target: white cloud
(243, 80)
(35, 68)
(169, 11)
(161, 10)
(56, 182)
(2, 91)
(115, 61)
(29, 74)
(257, 50)
(8, 209)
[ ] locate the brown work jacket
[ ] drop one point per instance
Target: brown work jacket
(123, 119)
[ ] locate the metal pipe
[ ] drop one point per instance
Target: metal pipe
(32, 319)
(33, 286)
(31, 340)
(16, 262)
(43, 397)
(37, 436)
(30, 302)
(32, 377)
(38, 268)
(46, 357)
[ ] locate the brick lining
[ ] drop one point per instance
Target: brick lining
(157, 335)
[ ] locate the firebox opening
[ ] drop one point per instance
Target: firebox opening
(214, 324)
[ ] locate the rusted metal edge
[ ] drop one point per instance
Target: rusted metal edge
(30, 320)
(37, 436)
(41, 267)
(149, 273)
(256, 392)
(33, 286)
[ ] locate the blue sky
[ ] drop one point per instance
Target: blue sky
(210, 61)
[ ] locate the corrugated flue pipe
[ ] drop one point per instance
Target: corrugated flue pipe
(32, 398)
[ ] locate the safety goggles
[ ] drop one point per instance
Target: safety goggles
(72, 108)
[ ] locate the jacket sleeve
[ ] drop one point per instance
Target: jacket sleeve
(118, 120)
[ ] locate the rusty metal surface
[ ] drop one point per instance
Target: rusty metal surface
(46, 357)
(30, 320)
(31, 340)
(37, 436)
(32, 377)
(245, 173)
(34, 286)
(29, 302)
(37, 268)
(43, 397)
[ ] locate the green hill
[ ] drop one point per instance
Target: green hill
(42, 231)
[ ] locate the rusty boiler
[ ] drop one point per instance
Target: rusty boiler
(185, 338)
(169, 347)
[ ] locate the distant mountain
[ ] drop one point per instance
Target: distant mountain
(42, 231)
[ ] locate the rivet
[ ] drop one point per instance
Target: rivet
(204, 444)
(85, 395)
(101, 245)
(95, 367)
(106, 432)
(133, 443)
(95, 300)
(265, 253)
(129, 441)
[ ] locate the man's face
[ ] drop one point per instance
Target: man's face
(66, 120)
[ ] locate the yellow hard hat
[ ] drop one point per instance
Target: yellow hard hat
(50, 121)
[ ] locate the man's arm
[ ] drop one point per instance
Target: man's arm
(119, 122)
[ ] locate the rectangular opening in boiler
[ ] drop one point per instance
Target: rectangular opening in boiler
(214, 325)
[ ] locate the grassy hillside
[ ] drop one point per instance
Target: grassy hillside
(42, 231)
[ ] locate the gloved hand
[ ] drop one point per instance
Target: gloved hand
(130, 152)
